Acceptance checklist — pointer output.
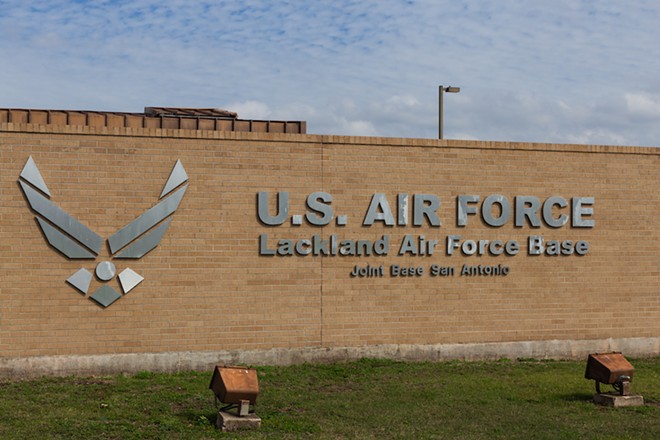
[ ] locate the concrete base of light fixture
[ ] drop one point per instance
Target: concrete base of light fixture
(229, 422)
(617, 401)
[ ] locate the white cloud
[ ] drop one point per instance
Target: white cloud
(251, 110)
(601, 136)
(537, 71)
(643, 104)
(357, 128)
(406, 101)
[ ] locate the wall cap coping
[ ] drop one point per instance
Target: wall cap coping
(10, 127)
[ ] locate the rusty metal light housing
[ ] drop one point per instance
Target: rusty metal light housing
(612, 369)
(235, 386)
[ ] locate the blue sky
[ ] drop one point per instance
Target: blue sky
(568, 71)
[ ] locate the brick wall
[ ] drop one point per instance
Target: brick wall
(207, 288)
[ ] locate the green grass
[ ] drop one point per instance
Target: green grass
(366, 399)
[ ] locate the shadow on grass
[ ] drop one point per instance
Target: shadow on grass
(577, 397)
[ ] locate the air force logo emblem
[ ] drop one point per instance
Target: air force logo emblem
(76, 241)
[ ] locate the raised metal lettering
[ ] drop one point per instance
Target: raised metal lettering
(282, 208)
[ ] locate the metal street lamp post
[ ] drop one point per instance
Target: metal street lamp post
(441, 91)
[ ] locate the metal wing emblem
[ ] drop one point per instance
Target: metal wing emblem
(87, 244)
(150, 218)
(76, 241)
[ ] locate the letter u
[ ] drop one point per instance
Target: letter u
(282, 208)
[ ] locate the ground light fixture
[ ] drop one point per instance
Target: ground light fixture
(615, 370)
(237, 388)
(441, 91)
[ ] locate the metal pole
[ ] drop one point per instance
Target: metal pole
(440, 90)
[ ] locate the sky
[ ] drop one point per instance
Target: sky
(558, 71)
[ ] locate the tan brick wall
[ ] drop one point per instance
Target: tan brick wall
(207, 288)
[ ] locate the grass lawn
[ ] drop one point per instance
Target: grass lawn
(521, 399)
